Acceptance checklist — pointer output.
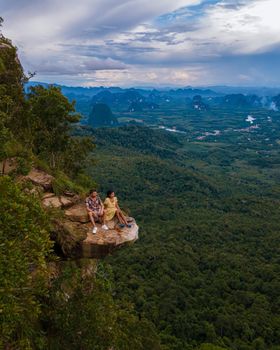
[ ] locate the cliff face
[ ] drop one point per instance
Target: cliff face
(72, 229)
(48, 302)
(11, 76)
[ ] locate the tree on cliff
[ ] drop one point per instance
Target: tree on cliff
(41, 123)
(12, 105)
(50, 124)
(101, 115)
(25, 243)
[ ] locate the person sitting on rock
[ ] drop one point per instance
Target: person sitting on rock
(95, 209)
(112, 209)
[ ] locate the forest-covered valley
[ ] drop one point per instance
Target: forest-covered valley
(206, 267)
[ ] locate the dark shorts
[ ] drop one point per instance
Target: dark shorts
(96, 212)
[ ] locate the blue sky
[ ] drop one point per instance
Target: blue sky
(147, 43)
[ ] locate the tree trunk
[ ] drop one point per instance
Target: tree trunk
(4, 166)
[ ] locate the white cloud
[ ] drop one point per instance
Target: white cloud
(52, 18)
(41, 29)
(250, 28)
(130, 42)
(150, 77)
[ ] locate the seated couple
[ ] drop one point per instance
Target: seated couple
(104, 212)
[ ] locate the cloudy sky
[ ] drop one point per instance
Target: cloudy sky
(147, 42)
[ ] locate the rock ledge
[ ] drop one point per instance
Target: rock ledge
(73, 232)
(105, 242)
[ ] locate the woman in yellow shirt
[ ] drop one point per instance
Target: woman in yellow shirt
(112, 209)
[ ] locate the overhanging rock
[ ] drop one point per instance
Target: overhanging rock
(73, 231)
(106, 242)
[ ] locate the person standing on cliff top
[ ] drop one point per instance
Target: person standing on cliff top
(95, 209)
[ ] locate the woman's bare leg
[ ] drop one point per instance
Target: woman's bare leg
(120, 217)
(124, 219)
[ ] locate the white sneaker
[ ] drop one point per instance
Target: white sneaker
(94, 230)
(105, 227)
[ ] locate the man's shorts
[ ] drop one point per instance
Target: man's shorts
(97, 212)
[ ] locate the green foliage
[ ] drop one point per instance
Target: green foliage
(77, 156)
(24, 248)
(75, 310)
(85, 181)
(42, 123)
(62, 183)
(81, 184)
(206, 346)
(206, 266)
(50, 123)
(5, 141)
(41, 164)
(140, 139)
(11, 97)
(81, 314)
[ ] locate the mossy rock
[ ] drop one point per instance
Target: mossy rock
(68, 235)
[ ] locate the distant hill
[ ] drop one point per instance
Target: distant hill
(121, 99)
(148, 99)
(188, 91)
(130, 92)
(101, 115)
(275, 104)
(236, 100)
(191, 92)
(128, 100)
(75, 90)
(198, 104)
(246, 90)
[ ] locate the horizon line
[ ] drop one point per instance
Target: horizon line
(148, 87)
